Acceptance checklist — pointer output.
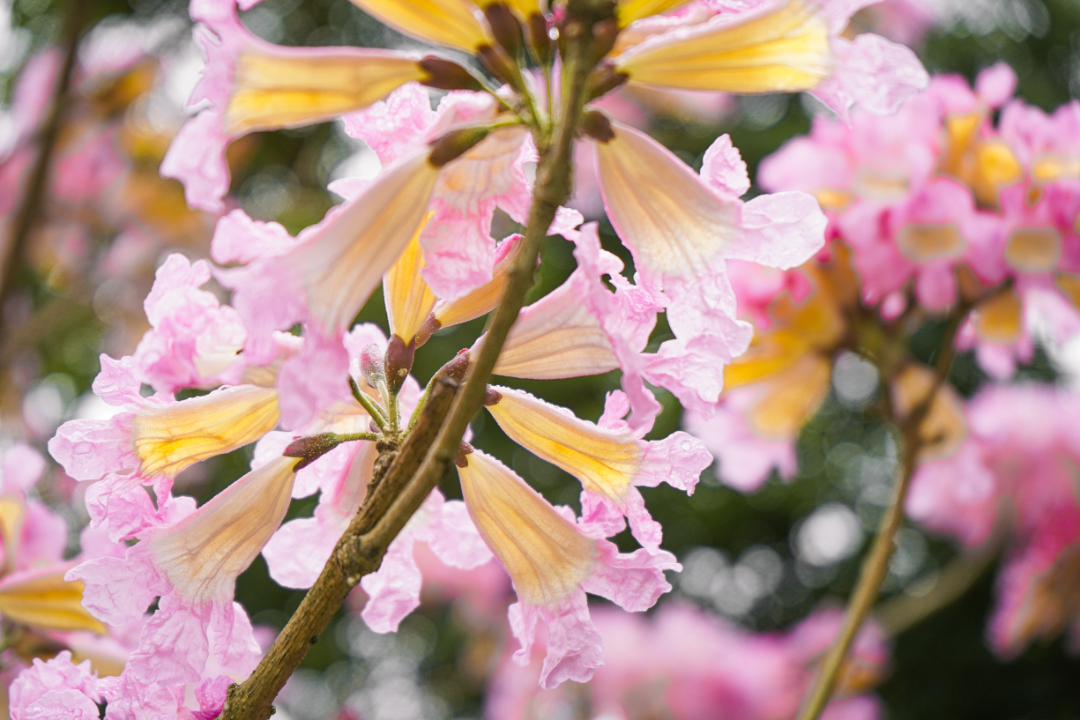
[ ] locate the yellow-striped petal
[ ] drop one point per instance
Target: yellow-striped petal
(272, 90)
(605, 461)
(408, 298)
(627, 11)
(555, 337)
(50, 602)
(524, 9)
(344, 261)
(659, 206)
(544, 554)
(443, 22)
(483, 299)
(203, 554)
(782, 50)
(169, 438)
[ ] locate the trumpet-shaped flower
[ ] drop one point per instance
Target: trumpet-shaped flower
(458, 249)
(552, 563)
(254, 85)
(192, 565)
(772, 46)
(609, 459)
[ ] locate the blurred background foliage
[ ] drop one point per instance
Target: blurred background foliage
(763, 560)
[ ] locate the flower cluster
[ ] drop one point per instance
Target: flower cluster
(1018, 480)
(329, 404)
(963, 207)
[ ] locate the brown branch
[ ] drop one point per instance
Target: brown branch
(431, 446)
(876, 565)
(30, 207)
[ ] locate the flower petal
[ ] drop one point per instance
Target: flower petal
(780, 49)
(444, 22)
(671, 221)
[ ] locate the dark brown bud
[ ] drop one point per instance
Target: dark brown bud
(455, 143)
(505, 27)
(597, 126)
(399, 361)
(603, 80)
(429, 328)
(496, 62)
(539, 38)
(491, 397)
(605, 33)
(456, 368)
(445, 74)
(310, 449)
(460, 458)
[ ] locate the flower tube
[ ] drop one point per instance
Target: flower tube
(552, 563)
(192, 565)
(608, 459)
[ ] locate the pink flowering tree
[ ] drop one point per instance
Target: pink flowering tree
(921, 220)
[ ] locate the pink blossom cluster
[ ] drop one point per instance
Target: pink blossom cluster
(965, 197)
(680, 662)
(422, 230)
(939, 189)
(1015, 476)
(41, 609)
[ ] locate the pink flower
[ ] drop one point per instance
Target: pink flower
(609, 458)
(689, 665)
(193, 340)
(192, 565)
(253, 85)
(55, 689)
(744, 459)
(553, 562)
(1020, 454)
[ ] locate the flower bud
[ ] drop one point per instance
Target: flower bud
(445, 74)
(460, 458)
(504, 27)
(310, 449)
(597, 126)
(456, 368)
(605, 33)
(603, 80)
(539, 40)
(371, 365)
(496, 62)
(455, 143)
(429, 328)
(399, 360)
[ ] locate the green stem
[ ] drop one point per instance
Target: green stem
(373, 408)
(876, 565)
